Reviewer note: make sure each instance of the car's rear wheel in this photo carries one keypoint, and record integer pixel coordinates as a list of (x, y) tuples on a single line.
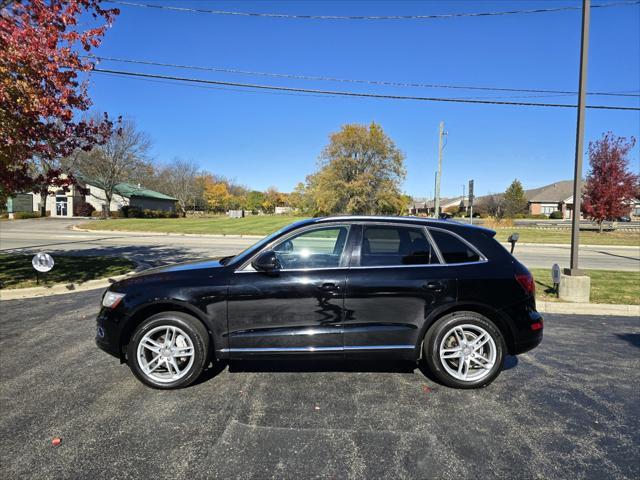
[(464, 350), (168, 350)]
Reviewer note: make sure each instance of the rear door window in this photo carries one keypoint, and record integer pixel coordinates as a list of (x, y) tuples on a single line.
[(453, 249), (384, 245)]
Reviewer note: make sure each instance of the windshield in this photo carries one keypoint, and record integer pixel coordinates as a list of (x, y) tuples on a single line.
[(242, 256)]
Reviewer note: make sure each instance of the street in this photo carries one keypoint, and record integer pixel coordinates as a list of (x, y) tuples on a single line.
[(54, 235), (568, 409)]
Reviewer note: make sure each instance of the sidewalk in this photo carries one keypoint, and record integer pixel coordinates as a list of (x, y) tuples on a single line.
[(588, 308)]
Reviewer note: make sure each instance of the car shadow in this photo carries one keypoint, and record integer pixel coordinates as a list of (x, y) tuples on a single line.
[(291, 364), (632, 338), (144, 256)]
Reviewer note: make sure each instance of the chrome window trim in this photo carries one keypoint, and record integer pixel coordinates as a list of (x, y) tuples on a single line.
[(314, 226), (316, 349)]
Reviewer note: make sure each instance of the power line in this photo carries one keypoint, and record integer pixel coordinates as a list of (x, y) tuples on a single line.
[(366, 17), (351, 94), (345, 80)]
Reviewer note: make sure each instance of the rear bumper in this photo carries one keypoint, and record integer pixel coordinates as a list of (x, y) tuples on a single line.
[(527, 326)]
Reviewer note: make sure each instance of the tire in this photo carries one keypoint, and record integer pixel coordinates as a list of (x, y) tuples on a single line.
[(164, 336), (453, 336)]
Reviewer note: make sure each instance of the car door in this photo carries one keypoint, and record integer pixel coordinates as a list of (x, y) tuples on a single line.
[(395, 280), (298, 307)]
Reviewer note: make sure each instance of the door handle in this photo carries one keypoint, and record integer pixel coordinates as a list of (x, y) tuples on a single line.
[(329, 287), (433, 286)]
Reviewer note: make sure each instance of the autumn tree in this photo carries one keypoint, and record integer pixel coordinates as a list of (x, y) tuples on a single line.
[(610, 184), (123, 157), (514, 200), (360, 173), (216, 194), (41, 44), (272, 198)]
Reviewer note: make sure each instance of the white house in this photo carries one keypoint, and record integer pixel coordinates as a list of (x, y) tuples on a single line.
[(71, 203)]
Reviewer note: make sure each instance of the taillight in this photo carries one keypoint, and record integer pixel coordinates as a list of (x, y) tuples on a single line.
[(537, 326), (526, 282)]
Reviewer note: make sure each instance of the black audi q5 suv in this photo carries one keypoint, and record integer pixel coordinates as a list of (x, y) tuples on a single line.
[(425, 290)]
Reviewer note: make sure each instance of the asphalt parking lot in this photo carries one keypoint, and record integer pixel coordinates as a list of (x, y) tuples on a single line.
[(569, 409)]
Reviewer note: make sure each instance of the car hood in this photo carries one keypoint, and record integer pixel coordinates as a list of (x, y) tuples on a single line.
[(179, 267), (164, 273)]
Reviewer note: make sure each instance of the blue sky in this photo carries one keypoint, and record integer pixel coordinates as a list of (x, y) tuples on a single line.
[(263, 139)]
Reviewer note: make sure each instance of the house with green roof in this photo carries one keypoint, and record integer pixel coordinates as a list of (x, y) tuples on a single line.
[(126, 194), (73, 202)]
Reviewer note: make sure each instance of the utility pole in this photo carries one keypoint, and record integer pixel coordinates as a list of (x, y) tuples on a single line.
[(439, 172), (577, 173), (435, 182)]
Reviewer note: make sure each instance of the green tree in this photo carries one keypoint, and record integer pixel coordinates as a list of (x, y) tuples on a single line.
[(254, 200), (514, 200), (360, 173)]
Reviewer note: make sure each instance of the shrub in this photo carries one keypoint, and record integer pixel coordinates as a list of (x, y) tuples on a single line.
[(492, 222), (23, 215), (557, 215), (129, 211), (85, 210)]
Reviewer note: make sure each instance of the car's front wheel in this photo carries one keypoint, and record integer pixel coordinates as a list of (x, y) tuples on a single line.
[(168, 350), (464, 350)]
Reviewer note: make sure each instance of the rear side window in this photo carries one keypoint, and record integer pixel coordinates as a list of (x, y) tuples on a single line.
[(453, 249), (390, 245)]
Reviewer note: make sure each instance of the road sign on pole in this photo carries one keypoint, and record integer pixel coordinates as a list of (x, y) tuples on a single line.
[(42, 262), (471, 202)]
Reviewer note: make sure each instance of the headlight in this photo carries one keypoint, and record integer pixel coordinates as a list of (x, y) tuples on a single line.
[(111, 299)]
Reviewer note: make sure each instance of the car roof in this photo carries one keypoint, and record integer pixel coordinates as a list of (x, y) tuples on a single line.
[(431, 222)]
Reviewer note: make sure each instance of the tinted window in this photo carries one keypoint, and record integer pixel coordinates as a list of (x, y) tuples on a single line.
[(390, 245), (453, 249), (317, 248)]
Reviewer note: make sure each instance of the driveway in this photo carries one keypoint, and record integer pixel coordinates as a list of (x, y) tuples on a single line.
[(54, 235), (569, 409)]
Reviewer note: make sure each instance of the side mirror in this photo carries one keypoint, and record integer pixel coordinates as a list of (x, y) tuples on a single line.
[(513, 238), (266, 262)]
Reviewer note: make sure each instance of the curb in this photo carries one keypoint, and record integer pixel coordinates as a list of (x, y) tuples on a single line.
[(59, 289), (588, 308), (568, 245)]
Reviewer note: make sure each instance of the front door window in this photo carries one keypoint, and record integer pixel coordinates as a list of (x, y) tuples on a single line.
[(61, 206), (317, 248)]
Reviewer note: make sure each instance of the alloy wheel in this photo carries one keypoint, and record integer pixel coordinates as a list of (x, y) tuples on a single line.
[(165, 353), (468, 352)]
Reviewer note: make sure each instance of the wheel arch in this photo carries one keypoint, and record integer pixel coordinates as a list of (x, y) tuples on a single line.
[(485, 310), (167, 305)]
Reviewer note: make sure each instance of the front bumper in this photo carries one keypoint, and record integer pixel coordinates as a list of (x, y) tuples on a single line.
[(108, 329)]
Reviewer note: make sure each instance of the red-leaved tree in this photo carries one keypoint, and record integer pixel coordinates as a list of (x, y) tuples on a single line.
[(610, 185), (41, 43)]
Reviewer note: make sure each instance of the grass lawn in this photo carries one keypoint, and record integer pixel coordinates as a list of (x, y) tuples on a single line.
[(222, 225), (532, 235), (16, 271), (607, 286), (265, 224)]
